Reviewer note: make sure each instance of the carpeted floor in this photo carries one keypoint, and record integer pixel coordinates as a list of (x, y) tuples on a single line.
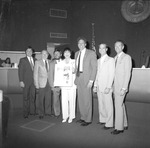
[(52, 133)]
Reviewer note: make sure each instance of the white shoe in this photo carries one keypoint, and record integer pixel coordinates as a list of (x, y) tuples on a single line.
[(70, 120), (64, 120)]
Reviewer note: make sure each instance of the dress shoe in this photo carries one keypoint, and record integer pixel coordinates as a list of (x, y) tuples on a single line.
[(70, 120), (33, 114), (64, 120), (57, 116), (41, 117), (101, 123), (25, 116), (116, 132), (52, 115), (85, 123), (48, 115), (126, 128), (80, 121), (106, 128)]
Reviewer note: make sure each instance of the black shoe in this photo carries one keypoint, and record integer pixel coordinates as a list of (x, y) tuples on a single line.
[(116, 132), (126, 128), (57, 116), (41, 117), (33, 114), (25, 116), (85, 123), (100, 123), (52, 115), (80, 121), (106, 128)]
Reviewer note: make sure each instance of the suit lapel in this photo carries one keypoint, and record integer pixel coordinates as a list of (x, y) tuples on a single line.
[(85, 55), (104, 62), (29, 65), (121, 57)]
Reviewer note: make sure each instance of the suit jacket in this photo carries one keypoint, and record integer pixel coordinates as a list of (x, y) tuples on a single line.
[(41, 75), (25, 71), (105, 73), (89, 66), (52, 72), (122, 72)]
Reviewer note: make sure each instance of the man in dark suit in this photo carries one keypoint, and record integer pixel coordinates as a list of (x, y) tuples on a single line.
[(86, 68), (25, 73)]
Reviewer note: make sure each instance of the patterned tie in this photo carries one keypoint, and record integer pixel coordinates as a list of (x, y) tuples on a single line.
[(78, 69)]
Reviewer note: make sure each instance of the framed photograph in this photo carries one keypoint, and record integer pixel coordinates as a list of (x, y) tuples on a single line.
[(63, 74)]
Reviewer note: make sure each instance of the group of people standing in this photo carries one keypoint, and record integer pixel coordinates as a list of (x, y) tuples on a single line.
[(112, 82), (107, 76)]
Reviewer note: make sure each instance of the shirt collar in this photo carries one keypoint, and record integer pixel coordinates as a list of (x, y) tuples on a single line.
[(104, 56), (120, 54), (83, 50)]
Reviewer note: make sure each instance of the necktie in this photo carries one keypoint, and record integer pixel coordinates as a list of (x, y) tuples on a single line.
[(46, 65), (78, 68), (116, 61), (31, 63)]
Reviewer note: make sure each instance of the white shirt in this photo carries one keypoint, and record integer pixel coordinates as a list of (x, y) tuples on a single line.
[(118, 56), (30, 60), (81, 59), (102, 59), (46, 61)]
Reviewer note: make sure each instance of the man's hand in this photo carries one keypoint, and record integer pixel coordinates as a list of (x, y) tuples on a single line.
[(107, 90), (22, 84), (94, 89), (122, 92), (90, 84)]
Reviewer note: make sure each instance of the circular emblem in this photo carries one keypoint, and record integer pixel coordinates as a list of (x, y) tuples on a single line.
[(135, 10)]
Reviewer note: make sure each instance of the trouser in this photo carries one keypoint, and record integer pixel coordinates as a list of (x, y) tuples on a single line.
[(105, 106), (45, 100), (56, 93), (84, 99), (29, 97), (120, 112), (68, 102)]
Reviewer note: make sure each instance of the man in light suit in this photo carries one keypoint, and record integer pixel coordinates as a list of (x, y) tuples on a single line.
[(56, 92), (121, 82), (103, 87), (86, 67), (41, 81), (25, 73)]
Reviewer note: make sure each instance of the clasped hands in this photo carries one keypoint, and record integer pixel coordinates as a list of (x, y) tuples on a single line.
[(106, 91)]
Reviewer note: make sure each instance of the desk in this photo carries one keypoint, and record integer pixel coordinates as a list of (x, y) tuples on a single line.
[(9, 81), (139, 89)]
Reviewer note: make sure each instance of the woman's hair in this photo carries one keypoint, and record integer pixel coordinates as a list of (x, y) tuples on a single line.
[(67, 49), (8, 61)]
